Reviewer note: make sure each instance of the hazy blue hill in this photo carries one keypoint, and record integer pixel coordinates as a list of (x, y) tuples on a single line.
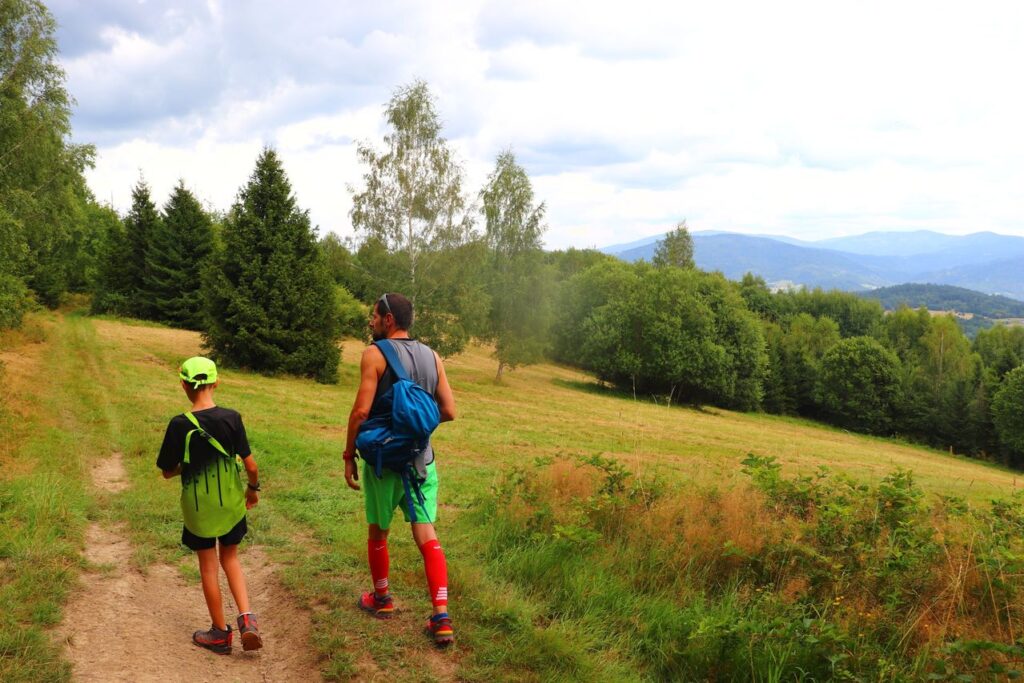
[(947, 298), (1004, 277), (891, 243), (734, 255), (982, 261)]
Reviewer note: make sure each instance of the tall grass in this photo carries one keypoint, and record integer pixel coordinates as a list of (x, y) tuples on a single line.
[(804, 578)]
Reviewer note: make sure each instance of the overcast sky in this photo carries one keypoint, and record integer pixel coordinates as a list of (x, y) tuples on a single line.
[(812, 119)]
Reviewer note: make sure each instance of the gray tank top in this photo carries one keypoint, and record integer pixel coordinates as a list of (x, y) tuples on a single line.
[(419, 362)]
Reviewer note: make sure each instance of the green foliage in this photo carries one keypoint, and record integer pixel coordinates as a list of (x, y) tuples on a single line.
[(269, 296), (352, 313), (14, 301), (113, 285), (671, 331), (518, 282), (42, 190), (854, 315), (412, 212), (142, 225), (676, 250), (860, 385), (1008, 410), (1001, 349), (178, 249)]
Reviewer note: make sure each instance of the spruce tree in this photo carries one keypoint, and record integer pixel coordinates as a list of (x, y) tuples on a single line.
[(141, 224), (178, 250), (269, 294), (113, 284)]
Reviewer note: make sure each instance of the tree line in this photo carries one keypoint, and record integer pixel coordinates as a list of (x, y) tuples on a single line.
[(270, 295)]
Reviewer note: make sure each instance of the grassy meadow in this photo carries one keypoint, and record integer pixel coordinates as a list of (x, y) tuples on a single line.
[(590, 535)]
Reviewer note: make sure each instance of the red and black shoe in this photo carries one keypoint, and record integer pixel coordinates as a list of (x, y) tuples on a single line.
[(380, 606), (439, 627), (214, 640), (249, 632)]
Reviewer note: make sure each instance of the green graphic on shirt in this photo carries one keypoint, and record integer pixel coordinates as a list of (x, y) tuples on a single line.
[(212, 496)]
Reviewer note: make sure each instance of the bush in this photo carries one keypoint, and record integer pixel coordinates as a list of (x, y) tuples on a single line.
[(352, 313), (14, 301)]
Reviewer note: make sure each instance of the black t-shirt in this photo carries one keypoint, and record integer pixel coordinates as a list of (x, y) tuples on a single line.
[(223, 424)]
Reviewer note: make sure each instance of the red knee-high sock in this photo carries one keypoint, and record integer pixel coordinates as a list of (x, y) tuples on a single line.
[(437, 572), (377, 551)]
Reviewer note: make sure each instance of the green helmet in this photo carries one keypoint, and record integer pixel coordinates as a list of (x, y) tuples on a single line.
[(198, 371)]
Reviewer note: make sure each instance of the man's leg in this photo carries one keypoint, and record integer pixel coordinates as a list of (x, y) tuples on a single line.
[(377, 554), (439, 626), (434, 564)]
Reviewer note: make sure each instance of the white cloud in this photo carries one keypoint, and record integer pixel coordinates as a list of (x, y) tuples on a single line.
[(804, 118)]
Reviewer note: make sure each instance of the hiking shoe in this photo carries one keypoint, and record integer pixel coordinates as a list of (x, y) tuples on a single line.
[(382, 607), (214, 640), (439, 627), (249, 631)]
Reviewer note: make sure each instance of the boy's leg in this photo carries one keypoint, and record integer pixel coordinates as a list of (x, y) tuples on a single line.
[(248, 629), (236, 579), (208, 568)]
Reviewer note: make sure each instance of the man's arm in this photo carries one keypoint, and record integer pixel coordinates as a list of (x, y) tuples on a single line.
[(443, 395), (371, 367)]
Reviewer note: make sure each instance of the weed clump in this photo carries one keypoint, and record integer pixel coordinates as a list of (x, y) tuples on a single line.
[(807, 577)]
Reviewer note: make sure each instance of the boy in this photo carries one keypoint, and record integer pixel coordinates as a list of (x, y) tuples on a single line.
[(203, 446)]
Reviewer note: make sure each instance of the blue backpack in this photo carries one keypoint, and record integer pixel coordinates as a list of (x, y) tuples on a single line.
[(392, 441)]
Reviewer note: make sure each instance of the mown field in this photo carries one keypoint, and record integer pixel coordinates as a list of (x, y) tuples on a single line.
[(590, 535)]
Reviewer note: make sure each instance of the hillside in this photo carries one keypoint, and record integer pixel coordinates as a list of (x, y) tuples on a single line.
[(947, 298), (533, 472)]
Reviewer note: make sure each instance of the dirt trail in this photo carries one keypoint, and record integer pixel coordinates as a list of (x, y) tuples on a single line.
[(126, 625)]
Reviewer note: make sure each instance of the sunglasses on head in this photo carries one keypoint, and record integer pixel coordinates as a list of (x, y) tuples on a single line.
[(384, 300)]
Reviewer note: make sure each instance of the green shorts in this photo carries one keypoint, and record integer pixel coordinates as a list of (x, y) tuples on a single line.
[(384, 495)]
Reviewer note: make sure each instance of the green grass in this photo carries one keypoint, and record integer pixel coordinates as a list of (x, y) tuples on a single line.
[(560, 611)]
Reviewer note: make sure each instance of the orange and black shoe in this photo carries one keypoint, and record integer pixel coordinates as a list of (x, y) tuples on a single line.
[(214, 640), (380, 606), (439, 627), (249, 632)]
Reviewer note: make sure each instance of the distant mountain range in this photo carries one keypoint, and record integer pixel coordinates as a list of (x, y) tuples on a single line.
[(983, 261)]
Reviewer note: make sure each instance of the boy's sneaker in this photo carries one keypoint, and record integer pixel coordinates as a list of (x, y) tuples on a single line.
[(214, 640), (439, 627), (249, 632), (382, 607)]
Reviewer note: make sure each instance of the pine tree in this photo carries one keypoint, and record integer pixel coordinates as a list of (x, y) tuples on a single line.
[(177, 253), (268, 293), (141, 223), (112, 286)]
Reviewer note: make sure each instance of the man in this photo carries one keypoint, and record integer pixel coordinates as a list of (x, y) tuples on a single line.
[(391, 319)]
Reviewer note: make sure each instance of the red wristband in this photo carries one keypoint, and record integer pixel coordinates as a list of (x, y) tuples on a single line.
[(346, 456)]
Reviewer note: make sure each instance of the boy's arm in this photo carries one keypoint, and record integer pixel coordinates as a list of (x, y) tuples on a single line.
[(253, 474), (169, 474)]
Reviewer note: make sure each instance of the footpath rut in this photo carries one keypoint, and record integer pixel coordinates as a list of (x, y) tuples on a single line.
[(129, 625)]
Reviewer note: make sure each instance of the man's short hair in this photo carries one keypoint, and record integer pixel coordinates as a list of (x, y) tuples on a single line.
[(400, 307)]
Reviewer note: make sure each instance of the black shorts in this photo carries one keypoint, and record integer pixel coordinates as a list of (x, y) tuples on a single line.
[(233, 537)]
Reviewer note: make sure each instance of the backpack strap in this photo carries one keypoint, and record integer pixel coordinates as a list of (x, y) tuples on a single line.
[(388, 350), (202, 432)]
